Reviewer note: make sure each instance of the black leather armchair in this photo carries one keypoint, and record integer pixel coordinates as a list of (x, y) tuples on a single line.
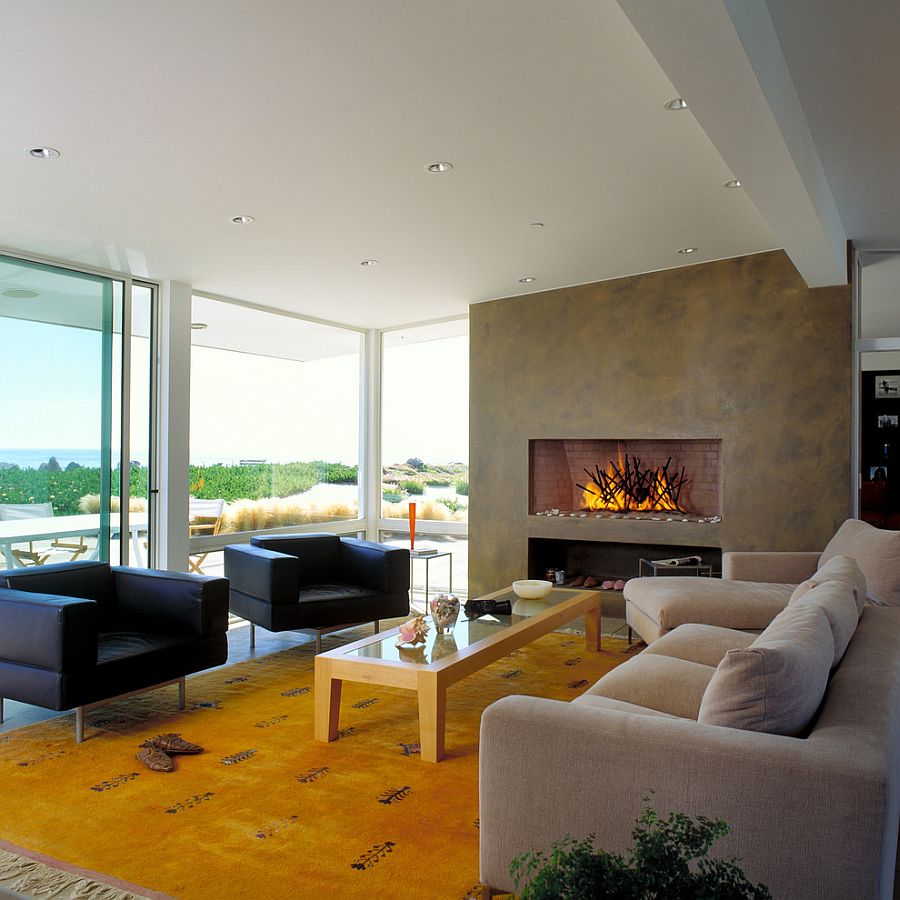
[(319, 582), (80, 633)]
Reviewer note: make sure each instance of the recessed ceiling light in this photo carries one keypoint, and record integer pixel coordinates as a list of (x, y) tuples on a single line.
[(369, 262), (676, 104), (535, 224), (734, 183), (198, 326), (688, 250), (43, 152), (439, 167), (243, 220), (527, 279), (20, 294)]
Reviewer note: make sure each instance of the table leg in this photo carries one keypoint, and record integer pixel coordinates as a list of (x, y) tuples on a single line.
[(592, 620), (432, 716), (328, 704)]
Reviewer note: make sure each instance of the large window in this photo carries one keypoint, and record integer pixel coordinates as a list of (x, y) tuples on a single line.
[(425, 446), (274, 421), (61, 366)]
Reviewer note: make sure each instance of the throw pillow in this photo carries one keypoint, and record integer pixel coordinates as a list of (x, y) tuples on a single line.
[(777, 683), (877, 553), (837, 601), (839, 568)]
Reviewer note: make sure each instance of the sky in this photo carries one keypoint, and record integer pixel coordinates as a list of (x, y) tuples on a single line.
[(242, 406)]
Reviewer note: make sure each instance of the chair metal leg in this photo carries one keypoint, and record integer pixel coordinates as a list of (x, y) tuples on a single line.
[(1, 710), (252, 636), (181, 692), (79, 724), (377, 626), (629, 635), (318, 642)]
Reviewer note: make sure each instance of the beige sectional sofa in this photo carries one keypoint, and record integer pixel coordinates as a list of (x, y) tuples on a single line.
[(755, 587), (792, 736)]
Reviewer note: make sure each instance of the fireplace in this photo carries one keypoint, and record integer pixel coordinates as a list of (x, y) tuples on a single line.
[(664, 479)]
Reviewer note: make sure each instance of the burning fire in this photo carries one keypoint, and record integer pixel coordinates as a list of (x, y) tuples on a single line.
[(632, 487)]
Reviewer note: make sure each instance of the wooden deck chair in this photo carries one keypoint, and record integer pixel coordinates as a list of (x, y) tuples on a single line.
[(39, 552), (205, 518)]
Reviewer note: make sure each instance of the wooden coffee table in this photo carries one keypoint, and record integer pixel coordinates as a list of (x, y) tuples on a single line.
[(445, 659)]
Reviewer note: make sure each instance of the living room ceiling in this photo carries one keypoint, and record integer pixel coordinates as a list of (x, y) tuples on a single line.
[(319, 120)]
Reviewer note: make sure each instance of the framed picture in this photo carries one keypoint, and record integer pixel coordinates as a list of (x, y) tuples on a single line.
[(888, 421), (887, 386), (878, 473)]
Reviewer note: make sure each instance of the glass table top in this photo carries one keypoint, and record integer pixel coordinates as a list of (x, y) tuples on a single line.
[(463, 634)]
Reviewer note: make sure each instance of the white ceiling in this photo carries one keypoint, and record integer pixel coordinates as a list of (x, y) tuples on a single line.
[(318, 118)]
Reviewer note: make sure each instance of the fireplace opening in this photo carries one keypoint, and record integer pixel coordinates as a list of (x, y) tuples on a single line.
[(665, 479)]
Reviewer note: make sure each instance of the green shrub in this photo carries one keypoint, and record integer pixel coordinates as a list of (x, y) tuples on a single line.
[(452, 504), (668, 861), (412, 487), (462, 487), (391, 497)]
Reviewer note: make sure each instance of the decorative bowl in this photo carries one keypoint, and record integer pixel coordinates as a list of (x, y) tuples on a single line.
[(532, 588)]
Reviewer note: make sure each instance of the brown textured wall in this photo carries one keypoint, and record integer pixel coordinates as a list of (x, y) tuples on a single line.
[(738, 349)]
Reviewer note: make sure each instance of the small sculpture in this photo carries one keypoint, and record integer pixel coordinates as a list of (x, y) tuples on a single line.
[(413, 631)]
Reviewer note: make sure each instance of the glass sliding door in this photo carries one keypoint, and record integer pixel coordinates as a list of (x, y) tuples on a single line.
[(56, 368)]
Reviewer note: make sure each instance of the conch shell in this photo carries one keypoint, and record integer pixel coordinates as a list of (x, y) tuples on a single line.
[(413, 631)]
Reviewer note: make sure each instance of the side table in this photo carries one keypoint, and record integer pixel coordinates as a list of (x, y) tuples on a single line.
[(428, 557)]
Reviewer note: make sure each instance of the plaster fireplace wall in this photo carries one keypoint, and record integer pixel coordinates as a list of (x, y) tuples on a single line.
[(739, 351)]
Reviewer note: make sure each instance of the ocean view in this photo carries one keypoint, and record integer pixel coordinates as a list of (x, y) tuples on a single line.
[(32, 457)]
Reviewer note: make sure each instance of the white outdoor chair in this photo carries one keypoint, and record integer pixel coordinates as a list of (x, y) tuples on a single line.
[(39, 552), (205, 518)]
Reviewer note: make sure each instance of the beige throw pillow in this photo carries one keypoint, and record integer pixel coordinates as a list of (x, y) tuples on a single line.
[(837, 600), (876, 551), (839, 568), (777, 683)]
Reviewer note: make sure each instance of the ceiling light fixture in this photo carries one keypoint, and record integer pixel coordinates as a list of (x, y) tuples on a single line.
[(527, 279), (243, 220), (688, 250), (199, 326), (734, 183), (20, 294), (439, 168), (43, 152), (676, 104), (369, 262)]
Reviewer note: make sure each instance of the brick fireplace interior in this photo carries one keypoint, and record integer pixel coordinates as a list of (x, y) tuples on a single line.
[(566, 474)]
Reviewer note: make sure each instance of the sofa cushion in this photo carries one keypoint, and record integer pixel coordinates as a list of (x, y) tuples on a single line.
[(839, 568), (670, 685), (876, 551), (597, 702), (837, 600), (705, 644), (673, 601), (777, 683)]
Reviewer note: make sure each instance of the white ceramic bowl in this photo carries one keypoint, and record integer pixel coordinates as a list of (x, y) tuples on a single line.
[(531, 588)]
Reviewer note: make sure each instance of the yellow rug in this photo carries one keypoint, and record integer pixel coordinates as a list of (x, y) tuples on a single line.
[(267, 811)]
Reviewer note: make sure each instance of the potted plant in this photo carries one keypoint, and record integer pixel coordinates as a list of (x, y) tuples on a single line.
[(668, 862)]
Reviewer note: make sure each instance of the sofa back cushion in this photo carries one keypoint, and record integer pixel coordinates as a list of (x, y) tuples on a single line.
[(839, 568), (837, 601), (877, 553), (777, 683)]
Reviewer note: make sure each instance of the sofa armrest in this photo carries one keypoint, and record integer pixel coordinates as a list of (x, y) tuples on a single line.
[(376, 566), (548, 768), (778, 568), (172, 601), (265, 574), (48, 631)]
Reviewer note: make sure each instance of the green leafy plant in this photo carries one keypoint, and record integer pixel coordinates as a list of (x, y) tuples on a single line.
[(462, 487), (668, 862), (452, 504), (412, 487)]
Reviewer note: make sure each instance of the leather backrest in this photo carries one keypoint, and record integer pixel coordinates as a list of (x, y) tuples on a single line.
[(86, 580), (319, 554)]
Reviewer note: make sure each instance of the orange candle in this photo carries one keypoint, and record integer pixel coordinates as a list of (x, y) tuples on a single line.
[(412, 526)]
